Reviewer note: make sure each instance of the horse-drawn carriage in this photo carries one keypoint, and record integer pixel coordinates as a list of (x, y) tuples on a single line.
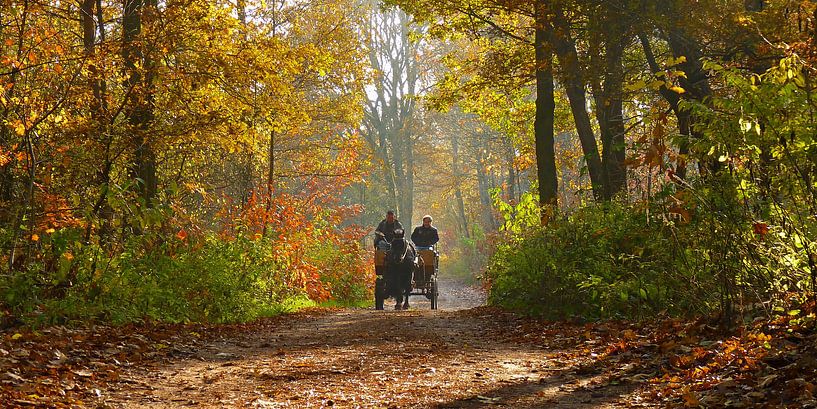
[(423, 280)]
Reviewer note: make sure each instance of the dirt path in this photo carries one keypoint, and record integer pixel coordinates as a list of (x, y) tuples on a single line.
[(449, 358), (461, 356)]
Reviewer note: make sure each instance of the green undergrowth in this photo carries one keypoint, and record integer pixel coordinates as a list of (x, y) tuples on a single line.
[(624, 261), (298, 303), (735, 235), (151, 278)]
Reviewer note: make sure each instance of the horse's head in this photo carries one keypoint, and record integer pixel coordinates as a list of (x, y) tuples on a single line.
[(398, 250)]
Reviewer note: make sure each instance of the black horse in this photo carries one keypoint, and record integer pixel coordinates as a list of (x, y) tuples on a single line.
[(400, 267)]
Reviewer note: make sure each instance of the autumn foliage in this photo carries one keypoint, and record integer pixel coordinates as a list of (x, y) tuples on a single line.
[(177, 161)]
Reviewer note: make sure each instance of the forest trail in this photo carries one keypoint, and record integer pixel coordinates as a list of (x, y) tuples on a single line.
[(463, 355), (455, 357)]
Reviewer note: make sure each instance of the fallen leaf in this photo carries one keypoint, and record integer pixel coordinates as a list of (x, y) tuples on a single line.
[(629, 335), (83, 373), (14, 377), (691, 400), (767, 380)]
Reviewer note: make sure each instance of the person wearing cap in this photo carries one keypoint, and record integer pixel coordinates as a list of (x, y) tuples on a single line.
[(425, 235), (386, 228)]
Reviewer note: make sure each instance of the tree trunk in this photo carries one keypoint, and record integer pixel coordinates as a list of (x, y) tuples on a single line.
[(89, 11), (511, 181), (571, 73), (9, 189), (610, 116), (455, 167), (407, 190), (140, 111), (543, 125), (398, 150), (696, 81), (484, 195), (270, 179), (389, 115)]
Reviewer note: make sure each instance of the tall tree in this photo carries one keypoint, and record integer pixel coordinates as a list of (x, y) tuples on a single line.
[(545, 108), (573, 77), (609, 37), (140, 71), (390, 111)]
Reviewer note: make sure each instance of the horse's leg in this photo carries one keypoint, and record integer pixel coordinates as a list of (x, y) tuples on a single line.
[(406, 303), (398, 299), (406, 287)]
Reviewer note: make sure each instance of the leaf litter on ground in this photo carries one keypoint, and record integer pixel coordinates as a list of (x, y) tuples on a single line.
[(663, 362)]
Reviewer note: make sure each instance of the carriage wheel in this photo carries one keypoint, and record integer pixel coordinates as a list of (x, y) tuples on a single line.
[(379, 295), (434, 293)]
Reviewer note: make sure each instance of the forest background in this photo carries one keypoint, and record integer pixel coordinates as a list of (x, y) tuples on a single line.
[(218, 161)]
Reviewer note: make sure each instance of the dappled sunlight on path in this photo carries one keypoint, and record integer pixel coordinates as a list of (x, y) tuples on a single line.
[(449, 358)]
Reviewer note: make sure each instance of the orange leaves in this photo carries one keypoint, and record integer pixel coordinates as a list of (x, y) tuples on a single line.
[(629, 335), (760, 228), (681, 207), (181, 235), (652, 146), (322, 261), (691, 400)]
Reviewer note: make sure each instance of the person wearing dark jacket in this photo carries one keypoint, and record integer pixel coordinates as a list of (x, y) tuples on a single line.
[(425, 235), (385, 230)]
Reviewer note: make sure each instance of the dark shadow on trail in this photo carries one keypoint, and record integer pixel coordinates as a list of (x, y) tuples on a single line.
[(442, 359), (545, 393)]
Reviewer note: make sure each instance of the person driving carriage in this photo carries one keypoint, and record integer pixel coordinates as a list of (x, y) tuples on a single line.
[(401, 267), (425, 235), (385, 230)]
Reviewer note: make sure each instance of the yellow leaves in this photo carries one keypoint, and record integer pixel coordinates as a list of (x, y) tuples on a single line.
[(744, 20), (677, 89), (19, 127), (16, 336), (760, 337), (636, 86), (747, 125)]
